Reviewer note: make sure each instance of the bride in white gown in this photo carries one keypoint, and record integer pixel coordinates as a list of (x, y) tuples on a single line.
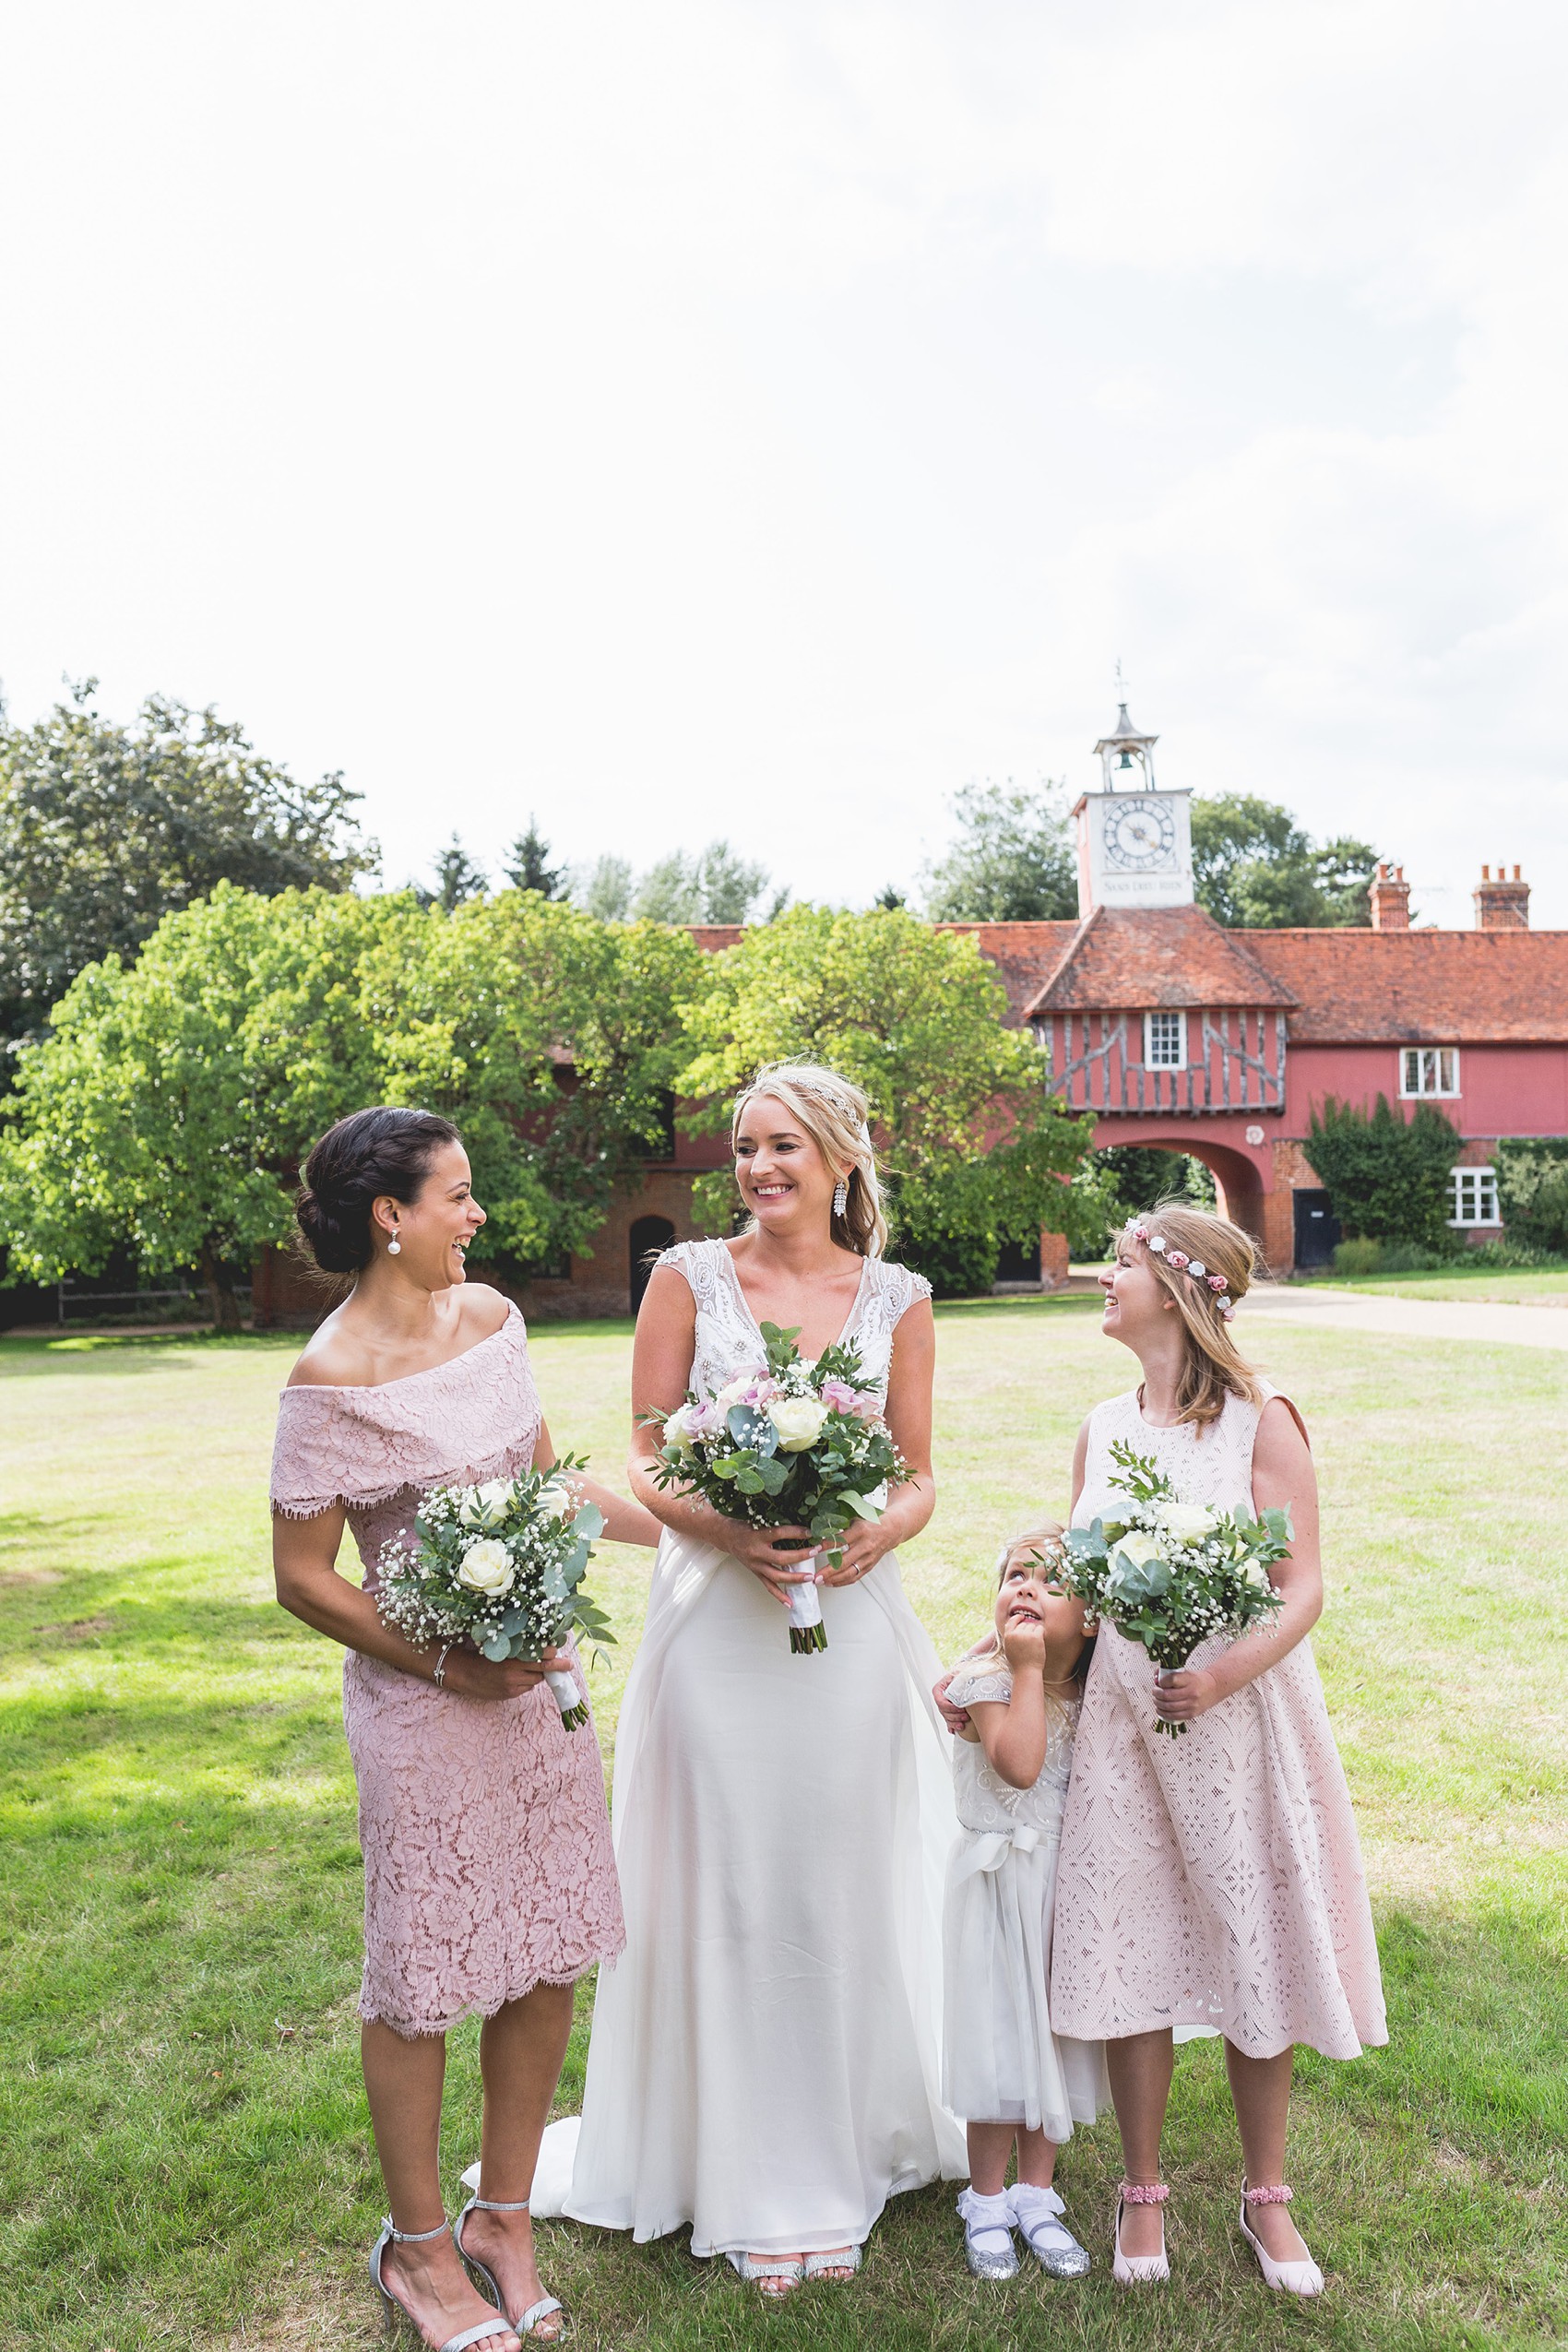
[(765, 2056)]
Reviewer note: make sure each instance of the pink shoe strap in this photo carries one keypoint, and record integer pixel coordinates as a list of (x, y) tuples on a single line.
[(1280, 2194), (1144, 2192)]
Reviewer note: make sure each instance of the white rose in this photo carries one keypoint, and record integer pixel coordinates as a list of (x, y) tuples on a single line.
[(1188, 1522), (1258, 1575), (487, 1568), (735, 1392), (798, 1420), (486, 1506), (678, 1430), (1138, 1547), (556, 1502)]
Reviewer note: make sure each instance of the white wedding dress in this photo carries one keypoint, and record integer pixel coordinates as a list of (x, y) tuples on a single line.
[(765, 2063)]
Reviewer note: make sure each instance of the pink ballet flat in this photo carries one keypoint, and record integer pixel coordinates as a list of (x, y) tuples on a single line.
[(1140, 2270), (1288, 2278)]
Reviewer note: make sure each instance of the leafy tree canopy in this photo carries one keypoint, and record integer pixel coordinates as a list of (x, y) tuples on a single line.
[(1013, 859), (711, 885), (977, 1144), (1254, 868), (104, 829), (173, 1102), (1532, 1189), (457, 879), (1387, 1178)]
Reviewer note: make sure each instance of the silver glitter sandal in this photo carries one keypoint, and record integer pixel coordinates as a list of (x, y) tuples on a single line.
[(756, 2274), (1037, 2213), (988, 2235), (842, 2258)]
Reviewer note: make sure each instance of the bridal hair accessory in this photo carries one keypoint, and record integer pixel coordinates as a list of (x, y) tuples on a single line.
[(1179, 1263)]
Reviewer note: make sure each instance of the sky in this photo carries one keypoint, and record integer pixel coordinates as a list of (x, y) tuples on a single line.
[(761, 418)]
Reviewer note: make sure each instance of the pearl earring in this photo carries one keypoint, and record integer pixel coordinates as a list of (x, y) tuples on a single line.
[(841, 1198), (393, 1246)]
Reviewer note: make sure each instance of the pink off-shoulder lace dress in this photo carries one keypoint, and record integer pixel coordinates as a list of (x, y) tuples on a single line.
[(488, 1866)]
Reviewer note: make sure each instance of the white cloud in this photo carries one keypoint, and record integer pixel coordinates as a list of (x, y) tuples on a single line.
[(761, 418)]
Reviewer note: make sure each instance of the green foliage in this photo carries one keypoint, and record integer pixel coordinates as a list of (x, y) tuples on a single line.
[(604, 889), (106, 829), (916, 1016), (457, 879), (1012, 860), (1532, 1190), (528, 865), (711, 885), (1255, 868), (1122, 1182), (174, 1101), (1387, 1178), (1361, 1257)]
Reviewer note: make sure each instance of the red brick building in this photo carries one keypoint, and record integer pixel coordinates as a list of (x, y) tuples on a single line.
[(1183, 1035)]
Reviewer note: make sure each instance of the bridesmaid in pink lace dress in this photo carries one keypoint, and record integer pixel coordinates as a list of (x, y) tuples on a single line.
[(489, 1880), (1214, 1881)]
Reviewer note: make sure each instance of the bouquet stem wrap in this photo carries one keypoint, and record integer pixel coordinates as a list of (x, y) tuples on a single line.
[(807, 1630)]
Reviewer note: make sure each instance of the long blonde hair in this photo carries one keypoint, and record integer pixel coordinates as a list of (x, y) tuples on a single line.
[(837, 1116), (1214, 1366)]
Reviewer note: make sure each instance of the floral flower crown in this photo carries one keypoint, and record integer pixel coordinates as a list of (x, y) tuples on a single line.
[(1194, 1268)]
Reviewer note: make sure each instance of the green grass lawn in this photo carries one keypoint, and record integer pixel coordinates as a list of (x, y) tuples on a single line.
[(1537, 1285), (184, 2156)]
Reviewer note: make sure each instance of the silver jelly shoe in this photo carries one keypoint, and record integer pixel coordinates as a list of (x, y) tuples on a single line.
[(988, 2235), (1037, 2213)]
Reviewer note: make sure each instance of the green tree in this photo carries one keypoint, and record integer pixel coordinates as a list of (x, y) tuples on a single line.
[(716, 885), (978, 1148), (170, 1104), (1532, 1190), (457, 879), (1012, 860), (528, 865), (105, 829), (604, 889), (1254, 868), (1388, 1179)]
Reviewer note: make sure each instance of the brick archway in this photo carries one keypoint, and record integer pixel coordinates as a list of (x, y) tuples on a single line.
[(1236, 1177)]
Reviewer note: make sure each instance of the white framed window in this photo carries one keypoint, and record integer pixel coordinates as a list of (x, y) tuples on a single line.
[(1475, 1197), (1165, 1041), (1429, 1069)]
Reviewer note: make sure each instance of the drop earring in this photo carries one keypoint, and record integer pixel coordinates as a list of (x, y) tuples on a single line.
[(841, 1198), (393, 1246)]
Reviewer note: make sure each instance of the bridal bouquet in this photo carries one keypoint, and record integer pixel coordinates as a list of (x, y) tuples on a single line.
[(1170, 1573), (499, 1566), (801, 1444)]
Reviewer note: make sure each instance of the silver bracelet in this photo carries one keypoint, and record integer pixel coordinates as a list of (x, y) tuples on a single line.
[(439, 1677)]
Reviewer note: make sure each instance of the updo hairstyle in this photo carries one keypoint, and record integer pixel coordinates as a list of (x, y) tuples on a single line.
[(1215, 1366), (364, 1157), (837, 1116)]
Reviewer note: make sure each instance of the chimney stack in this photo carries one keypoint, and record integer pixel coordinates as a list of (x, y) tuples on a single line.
[(1501, 904), (1390, 900)]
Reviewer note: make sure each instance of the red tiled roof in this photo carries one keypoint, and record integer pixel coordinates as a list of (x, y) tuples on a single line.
[(1023, 953), (1415, 987), (1134, 959)]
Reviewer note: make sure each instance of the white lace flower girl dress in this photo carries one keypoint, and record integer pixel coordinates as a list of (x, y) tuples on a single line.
[(764, 2061), (1001, 2061)]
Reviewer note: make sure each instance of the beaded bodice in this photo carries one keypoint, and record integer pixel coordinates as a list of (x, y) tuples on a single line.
[(985, 1801)]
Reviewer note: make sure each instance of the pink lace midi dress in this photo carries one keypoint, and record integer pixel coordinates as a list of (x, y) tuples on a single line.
[(488, 1866), (1211, 1882)]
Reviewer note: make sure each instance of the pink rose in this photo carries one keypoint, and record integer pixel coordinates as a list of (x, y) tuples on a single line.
[(839, 1395), (1218, 1282), (1178, 1258)]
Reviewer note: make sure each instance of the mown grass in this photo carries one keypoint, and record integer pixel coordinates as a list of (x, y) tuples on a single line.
[(1540, 1286), (183, 2151)]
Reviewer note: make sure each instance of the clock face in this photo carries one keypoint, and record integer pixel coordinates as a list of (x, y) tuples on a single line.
[(1139, 834)]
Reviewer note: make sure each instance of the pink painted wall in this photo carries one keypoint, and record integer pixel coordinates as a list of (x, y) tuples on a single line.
[(1503, 1089)]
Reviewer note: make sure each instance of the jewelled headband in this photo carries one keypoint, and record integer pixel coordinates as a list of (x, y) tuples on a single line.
[(1194, 1268), (815, 1087)]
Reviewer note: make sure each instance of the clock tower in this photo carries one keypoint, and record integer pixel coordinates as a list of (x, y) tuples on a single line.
[(1134, 843)]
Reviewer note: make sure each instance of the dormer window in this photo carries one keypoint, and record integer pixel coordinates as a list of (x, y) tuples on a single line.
[(1165, 1041), (1428, 1070)]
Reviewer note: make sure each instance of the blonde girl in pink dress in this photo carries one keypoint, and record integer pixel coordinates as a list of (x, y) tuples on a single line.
[(489, 1881), (1213, 1882)]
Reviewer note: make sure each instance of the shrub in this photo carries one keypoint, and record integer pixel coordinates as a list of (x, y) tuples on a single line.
[(1408, 1258), (1362, 1256), (957, 1264), (1532, 1190), (1388, 1179)]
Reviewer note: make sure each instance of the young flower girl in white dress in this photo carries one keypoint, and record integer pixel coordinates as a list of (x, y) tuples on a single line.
[(1004, 2069)]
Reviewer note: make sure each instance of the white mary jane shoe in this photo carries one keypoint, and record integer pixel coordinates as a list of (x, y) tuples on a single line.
[(988, 2234), (1037, 2213), (1286, 2278)]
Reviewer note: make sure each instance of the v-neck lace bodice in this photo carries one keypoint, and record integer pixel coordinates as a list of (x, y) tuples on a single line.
[(728, 1340)]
